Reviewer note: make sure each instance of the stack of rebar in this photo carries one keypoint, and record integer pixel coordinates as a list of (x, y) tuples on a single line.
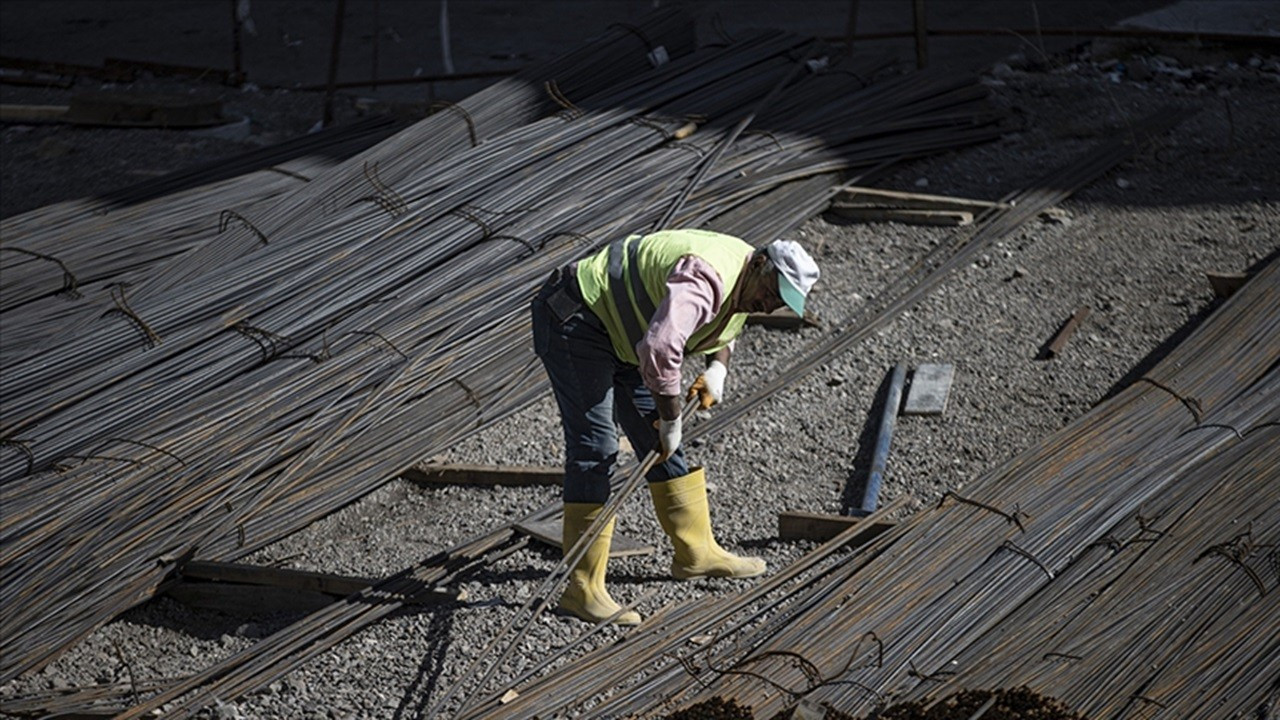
[(321, 344)]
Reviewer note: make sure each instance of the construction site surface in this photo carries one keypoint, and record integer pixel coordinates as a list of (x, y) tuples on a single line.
[(274, 442)]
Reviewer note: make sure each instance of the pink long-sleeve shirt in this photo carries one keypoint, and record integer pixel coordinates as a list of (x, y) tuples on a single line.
[(695, 294)]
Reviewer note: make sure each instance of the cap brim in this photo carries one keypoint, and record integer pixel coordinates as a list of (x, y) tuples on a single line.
[(790, 295)]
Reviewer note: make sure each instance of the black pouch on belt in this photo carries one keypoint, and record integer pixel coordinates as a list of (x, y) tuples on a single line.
[(562, 304)]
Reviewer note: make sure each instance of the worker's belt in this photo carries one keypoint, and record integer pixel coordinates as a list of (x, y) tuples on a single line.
[(631, 314)]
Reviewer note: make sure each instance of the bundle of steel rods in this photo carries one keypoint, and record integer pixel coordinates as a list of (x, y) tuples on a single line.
[(302, 358)]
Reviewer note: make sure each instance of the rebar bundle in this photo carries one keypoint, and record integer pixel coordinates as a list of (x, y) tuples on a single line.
[(319, 345)]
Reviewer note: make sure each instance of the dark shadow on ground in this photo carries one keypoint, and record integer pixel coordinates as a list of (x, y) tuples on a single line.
[(1153, 358)]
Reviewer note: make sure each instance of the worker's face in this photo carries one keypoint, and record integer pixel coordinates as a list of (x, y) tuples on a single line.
[(760, 287)]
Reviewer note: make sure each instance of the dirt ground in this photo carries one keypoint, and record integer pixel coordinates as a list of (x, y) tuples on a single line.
[(1133, 246)]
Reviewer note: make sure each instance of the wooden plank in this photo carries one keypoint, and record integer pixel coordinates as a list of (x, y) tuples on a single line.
[(783, 319), (550, 532), (486, 475), (16, 113), (248, 600), (240, 589), (339, 585), (945, 218), (930, 388), (859, 197), (1065, 332), (798, 525), (1224, 284)]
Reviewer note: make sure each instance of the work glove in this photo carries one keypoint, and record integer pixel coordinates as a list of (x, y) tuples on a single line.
[(709, 387), (669, 433)]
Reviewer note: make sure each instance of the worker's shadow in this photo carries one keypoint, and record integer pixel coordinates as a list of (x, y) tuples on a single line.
[(427, 679), (856, 485)]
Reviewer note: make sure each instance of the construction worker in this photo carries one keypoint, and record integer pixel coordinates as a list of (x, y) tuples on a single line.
[(612, 331)]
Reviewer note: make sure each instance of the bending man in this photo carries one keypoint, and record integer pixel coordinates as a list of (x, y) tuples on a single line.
[(612, 331)]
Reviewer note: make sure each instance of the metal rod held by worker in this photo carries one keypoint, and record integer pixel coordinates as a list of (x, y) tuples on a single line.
[(871, 494)]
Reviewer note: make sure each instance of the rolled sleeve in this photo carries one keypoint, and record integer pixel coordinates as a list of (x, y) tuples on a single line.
[(695, 293)]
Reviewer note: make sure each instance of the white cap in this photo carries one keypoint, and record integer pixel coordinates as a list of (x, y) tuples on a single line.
[(797, 272)]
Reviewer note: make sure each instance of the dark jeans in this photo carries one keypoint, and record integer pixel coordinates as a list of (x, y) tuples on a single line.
[(596, 393)]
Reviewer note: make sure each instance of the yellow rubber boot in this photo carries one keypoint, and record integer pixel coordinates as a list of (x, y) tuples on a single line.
[(681, 504), (586, 595)]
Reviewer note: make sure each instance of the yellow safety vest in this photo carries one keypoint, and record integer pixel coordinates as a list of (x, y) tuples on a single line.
[(624, 283)]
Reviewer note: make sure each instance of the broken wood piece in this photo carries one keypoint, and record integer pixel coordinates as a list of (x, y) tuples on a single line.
[(340, 585), (946, 218), (855, 197), (1224, 284), (930, 387), (240, 589), (486, 475), (1064, 333), (551, 531), (248, 600), (15, 113), (797, 525), (783, 319)]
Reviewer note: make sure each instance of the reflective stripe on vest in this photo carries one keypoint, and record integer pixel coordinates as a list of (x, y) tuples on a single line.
[(643, 309)]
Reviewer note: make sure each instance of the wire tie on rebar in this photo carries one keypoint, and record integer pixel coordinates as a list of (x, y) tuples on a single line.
[(1068, 656), (1144, 527), (69, 282), (1153, 701), (572, 112), (149, 446), (268, 342), (520, 240), (939, 676), (393, 198), (687, 146), (383, 339), (648, 46), (325, 352), (23, 447), (734, 670), (1013, 519), (466, 212), (1259, 426), (87, 458), (225, 217), (1192, 404), (471, 124), (471, 394), (1110, 542), (381, 202), (649, 123), (765, 133), (122, 307), (1236, 551), (693, 670), (1026, 554), (370, 172), (1220, 426)]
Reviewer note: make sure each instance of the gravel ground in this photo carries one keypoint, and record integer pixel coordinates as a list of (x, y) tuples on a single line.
[(1132, 246)]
